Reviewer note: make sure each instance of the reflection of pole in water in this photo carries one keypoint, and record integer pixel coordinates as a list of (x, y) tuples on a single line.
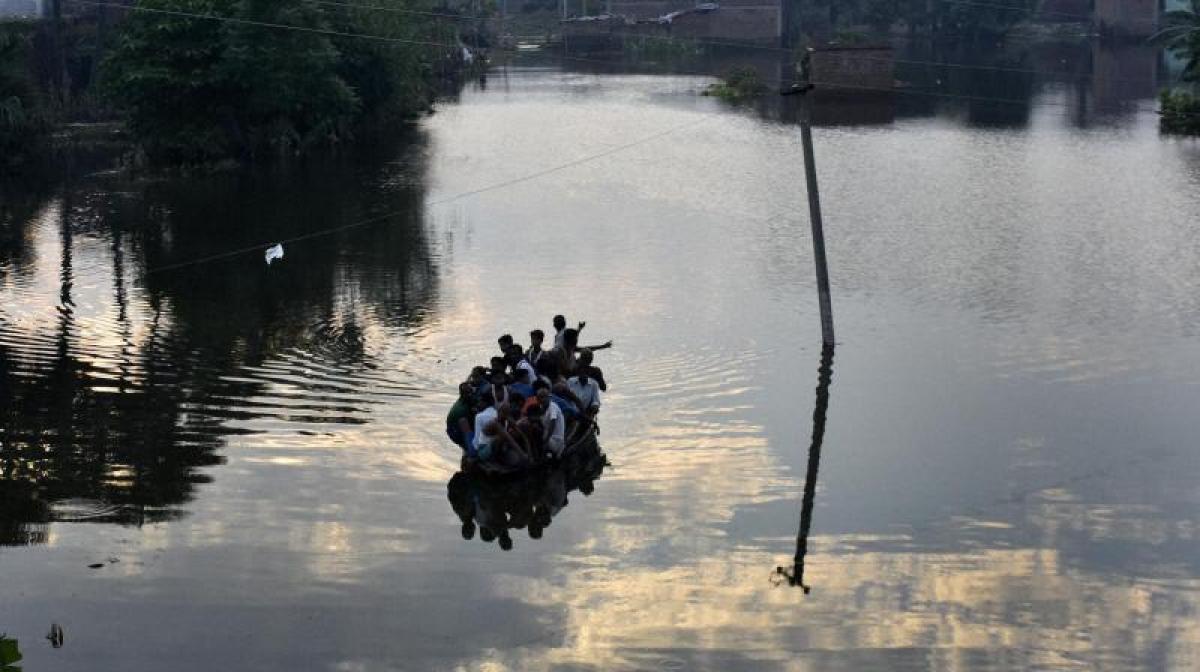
[(824, 377)]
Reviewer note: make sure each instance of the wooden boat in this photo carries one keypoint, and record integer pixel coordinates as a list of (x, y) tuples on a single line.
[(581, 437)]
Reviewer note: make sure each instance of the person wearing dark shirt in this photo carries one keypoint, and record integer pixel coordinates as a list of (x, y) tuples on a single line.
[(585, 365), (458, 420), (535, 351), (505, 343)]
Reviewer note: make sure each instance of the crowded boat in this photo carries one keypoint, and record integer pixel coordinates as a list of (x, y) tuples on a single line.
[(529, 406)]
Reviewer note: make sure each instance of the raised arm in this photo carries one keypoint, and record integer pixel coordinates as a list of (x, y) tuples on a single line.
[(603, 346)]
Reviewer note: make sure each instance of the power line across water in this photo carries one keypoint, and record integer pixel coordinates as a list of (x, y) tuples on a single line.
[(778, 84)]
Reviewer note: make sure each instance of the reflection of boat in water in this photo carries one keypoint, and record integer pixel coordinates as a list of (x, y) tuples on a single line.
[(528, 500)]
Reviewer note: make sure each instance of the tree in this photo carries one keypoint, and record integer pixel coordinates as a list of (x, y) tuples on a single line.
[(254, 78), (1181, 34), (21, 119)]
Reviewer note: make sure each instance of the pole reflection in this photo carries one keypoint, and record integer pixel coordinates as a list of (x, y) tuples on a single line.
[(794, 576)]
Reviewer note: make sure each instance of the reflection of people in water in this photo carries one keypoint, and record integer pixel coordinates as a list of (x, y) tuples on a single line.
[(496, 507)]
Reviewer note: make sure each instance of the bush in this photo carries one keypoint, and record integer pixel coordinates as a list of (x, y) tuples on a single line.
[(737, 84), (1180, 112)]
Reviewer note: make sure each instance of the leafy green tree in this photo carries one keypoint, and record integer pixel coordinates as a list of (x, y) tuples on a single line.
[(263, 77), (1181, 34), (291, 95), (393, 79), (167, 74)]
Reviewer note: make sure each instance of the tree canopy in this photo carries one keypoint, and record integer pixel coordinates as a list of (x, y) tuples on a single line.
[(261, 77)]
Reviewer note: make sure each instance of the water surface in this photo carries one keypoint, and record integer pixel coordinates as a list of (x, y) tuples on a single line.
[(255, 458)]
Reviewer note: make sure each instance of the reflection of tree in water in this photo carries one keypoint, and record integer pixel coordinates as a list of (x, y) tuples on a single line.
[(968, 79), (84, 437), (528, 502), (243, 307)]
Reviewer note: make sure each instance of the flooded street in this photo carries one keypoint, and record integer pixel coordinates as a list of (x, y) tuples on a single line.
[(255, 456)]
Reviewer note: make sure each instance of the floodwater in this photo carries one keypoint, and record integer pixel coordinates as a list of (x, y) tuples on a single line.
[(230, 465)]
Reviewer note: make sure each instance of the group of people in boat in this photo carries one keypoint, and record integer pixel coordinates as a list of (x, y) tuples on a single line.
[(527, 405)]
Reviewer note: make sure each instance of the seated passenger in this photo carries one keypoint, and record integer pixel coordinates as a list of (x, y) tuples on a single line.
[(587, 391), (499, 365), (570, 404), (516, 406), (554, 425), (498, 388), (522, 370), (458, 421), (478, 378), (593, 372), (532, 424), (535, 351), (547, 370), (561, 395), (486, 415), (493, 441)]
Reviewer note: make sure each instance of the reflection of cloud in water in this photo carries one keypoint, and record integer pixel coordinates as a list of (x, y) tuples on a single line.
[(877, 609)]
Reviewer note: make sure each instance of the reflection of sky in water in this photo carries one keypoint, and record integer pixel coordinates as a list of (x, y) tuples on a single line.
[(1008, 471)]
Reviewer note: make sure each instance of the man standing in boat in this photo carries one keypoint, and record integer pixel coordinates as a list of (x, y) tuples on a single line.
[(560, 329)]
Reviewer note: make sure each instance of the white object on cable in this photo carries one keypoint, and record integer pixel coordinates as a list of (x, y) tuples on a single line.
[(274, 252), (467, 56)]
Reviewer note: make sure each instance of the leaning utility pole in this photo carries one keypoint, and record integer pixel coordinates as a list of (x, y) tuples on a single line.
[(802, 88)]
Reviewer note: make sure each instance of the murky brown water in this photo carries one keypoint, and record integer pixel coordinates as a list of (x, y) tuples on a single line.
[(255, 455)]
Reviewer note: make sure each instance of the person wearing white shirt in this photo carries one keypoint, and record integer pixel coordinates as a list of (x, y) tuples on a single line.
[(587, 391), (555, 432), (483, 442), (524, 372), (554, 424)]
